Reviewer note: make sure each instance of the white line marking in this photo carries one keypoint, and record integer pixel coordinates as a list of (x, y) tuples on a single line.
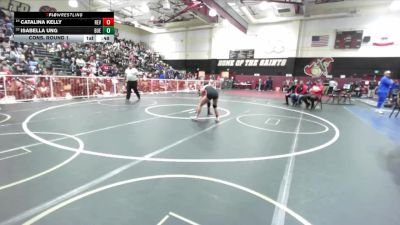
[(23, 110), (238, 119), (266, 122), (64, 117), (10, 150), (284, 189), (186, 160), (30, 145), (147, 110), (169, 176), (12, 156), (7, 117), (163, 220), (80, 148), (36, 121), (79, 134), (98, 180), (183, 218), (272, 119), (26, 149), (100, 102), (15, 149), (188, 110)]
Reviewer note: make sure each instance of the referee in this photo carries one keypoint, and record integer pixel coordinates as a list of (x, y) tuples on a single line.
[(131, 74)]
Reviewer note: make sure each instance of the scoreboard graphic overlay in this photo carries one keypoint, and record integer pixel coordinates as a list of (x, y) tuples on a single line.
[(64, 26)]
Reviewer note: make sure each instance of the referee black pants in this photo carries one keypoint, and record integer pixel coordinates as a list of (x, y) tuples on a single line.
[(129, 86)]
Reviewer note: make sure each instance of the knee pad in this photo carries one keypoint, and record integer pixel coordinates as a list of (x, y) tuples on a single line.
[(214, 106)]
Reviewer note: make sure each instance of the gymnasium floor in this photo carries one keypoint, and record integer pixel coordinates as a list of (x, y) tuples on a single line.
[(104, 161)]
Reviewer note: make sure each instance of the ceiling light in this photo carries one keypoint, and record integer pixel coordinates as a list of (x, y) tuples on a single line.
[(104, 2), (73, 3), (166, 4), (102, 10), (145, 8), (212, 12), (126, 11), (152, 18), (395, 5), (226, 22), (264, 5), (231, 4)]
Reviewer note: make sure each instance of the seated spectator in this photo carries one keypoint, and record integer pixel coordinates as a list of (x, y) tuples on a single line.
[(357, 89), (2, 53), (394, 90), (299, 92), (48, 65), (9, 27), (4, 69), (290, 91), (97, 92), (37, 70), (162, 76), (80, 62), (315, 93), (104, 69), (14, 55), (43, 91), (114, 70), (32, 65), (332, 86), (371, 89), (86, 70)]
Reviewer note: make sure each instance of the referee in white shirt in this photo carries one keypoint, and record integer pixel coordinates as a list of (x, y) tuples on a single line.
[(131, 74)]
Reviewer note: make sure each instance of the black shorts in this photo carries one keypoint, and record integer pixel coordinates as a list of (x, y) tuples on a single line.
[(212, 96), (212, 93)]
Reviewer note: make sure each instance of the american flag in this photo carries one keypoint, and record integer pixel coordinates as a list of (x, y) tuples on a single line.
[(319, 41)]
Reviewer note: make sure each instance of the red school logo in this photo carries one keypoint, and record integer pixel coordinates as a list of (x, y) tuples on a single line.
[(319, 67)]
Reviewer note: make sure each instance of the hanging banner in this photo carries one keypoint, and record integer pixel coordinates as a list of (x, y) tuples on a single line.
[(252, 62)]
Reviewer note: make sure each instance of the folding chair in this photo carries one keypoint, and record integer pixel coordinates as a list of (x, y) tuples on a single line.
[(346, 95), (396, 106), (317, 102), (334, 95)]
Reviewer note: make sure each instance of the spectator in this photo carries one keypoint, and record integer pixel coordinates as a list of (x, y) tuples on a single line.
[(48, 65), (259, 85), (9, 27), (332, 86), (162, 76), (394, 90), (268, 84), (114, 70), (371, 89), (383, 90), (290, 91), (315, 93), (131, 81), (299, 92), (14, 55), (104, 69)]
